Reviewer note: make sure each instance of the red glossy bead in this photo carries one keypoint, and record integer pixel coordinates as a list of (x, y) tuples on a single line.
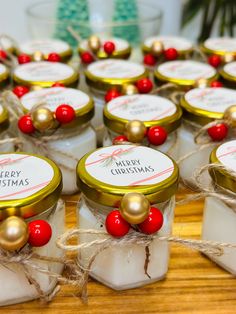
[(40, 233), (157, 135), (20, 91), (24, 58), (116, 225), (153, 222), (86, 57), (65, 113), (120, 138), (57, 84), (218, 132), (216, 84), (54, 57), (171, 54), (25, 124), (109, 47), (3, 54), (111, 94), (144, 85), (214, 60), (149, 60)]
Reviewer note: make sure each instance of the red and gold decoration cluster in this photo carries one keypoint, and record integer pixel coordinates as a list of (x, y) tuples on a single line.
[(38, 56), (216, 61)]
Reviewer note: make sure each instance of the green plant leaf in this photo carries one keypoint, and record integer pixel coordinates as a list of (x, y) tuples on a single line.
[(191, 9)]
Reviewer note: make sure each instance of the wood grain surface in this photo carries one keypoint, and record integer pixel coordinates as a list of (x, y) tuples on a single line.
[(194, 284)]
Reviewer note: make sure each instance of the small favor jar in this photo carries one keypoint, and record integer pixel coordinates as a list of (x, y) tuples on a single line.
[(228, 73), (45, 74), (70, 139), (4, 76), (106, 177), (4, 126), (158, 114), (31, 219), (219, 217), (107, 74), (200, 107), (186, 74)]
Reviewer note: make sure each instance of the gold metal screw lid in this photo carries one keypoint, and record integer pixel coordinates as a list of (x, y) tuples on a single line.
[(219, 46), (29, 184), (4, 74), (203, 105), (44, 74), (184, 73), (56, 96), (224, 154), (228, 72), (151, 109), (4, 119), (122, 50), (106, 174), (104, 74)]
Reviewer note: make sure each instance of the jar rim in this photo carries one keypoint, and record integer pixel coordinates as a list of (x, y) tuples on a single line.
[(226, 75), (220, 52), (5, 73), (4, 119)]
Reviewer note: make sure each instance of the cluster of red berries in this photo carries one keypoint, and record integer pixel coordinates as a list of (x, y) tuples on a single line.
[(169, 54), (87, 57), (21, 90), (52, 57), (40, 233)]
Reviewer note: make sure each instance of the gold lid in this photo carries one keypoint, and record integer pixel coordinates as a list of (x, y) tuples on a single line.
[(44, 74), (4, 119), (105, 74), (184, 73), (224, 154), (41, 189), (152, 110), (4, 73), (55, 96), (214, 46), (226, 72), (106, 174)]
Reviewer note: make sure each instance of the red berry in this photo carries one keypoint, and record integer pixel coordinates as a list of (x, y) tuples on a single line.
[(218, 132), (3, 54), (153, 223), (120, 138), (24, 58), (20, 91), (40, 233), (149, 60), (111, 94), (109, 47), (57, 84), (157, 135), (25, 124), (214, 60), (144, 85), (86, 57), (54, 57), (116, 225), (216, 84), (171, 54), (65, 113)]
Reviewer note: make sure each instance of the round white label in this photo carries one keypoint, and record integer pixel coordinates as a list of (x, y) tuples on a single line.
[(226, 154), (44, 71), (186, 70), (211, 99), (226, 44), (230, 68), (3, 69), (55, 96), (120, 44), (46, 46), (116, 69), (170, 42), (127, 165), (18, 178), (141, 107)]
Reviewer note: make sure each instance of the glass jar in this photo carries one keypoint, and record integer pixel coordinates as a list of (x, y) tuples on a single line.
[(183, 46), (228, 73), (219, 217), (152, 110), (31, 195), (4, 76), (184, 73), (104, 75), (45, 74), (104, 177), (221, 46), (79, 137), (4, 126), (200, 106), (122, 48), (46, 46)]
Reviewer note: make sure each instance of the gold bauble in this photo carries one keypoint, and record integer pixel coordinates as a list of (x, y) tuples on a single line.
[(94, 43), (201, 83), (135, 131), (134, 208), (43, 119), (36, 87), (129, 89), (228, 57), (13, 233), (38, 56), (157, 48), (230, 115)]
